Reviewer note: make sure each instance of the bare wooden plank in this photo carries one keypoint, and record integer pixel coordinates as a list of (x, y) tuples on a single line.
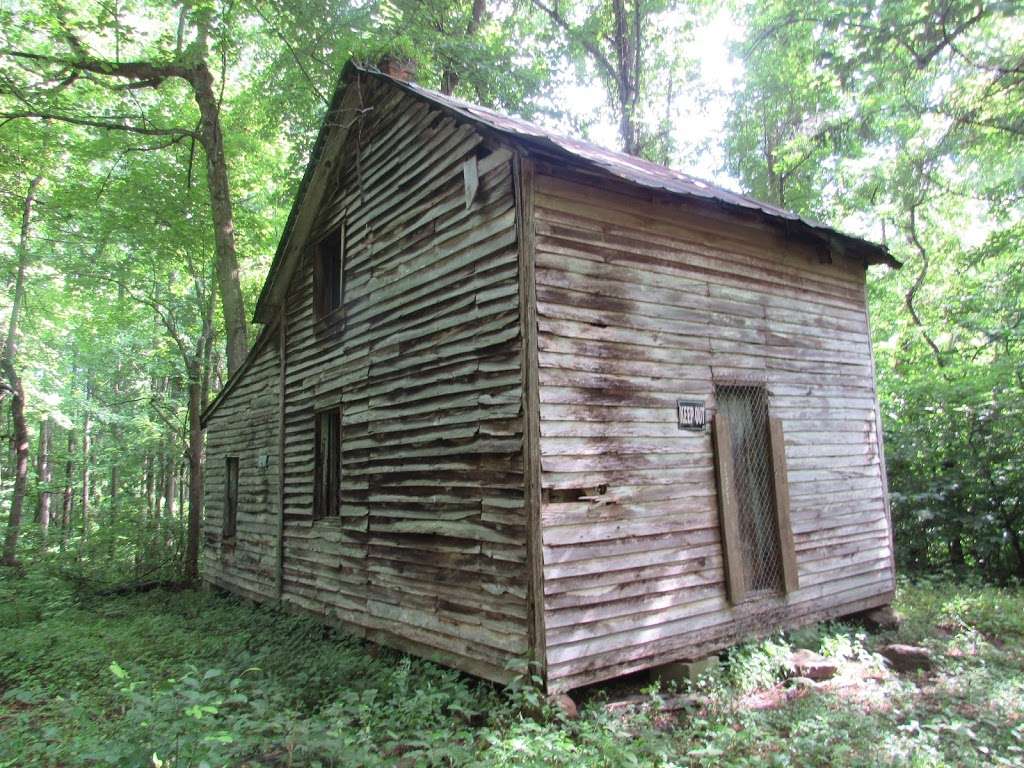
[(728, 510), (523, 176), (780, 484)]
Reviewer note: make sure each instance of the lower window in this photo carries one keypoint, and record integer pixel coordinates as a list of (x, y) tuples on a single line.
[(230, 497), (327, 485)]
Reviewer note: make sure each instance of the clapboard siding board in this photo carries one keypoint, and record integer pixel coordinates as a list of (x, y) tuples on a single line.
[(633, 317), (515, 329)]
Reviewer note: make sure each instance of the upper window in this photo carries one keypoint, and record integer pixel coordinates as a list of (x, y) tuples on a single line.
[(328, 274), (230, 497), (327, 466)]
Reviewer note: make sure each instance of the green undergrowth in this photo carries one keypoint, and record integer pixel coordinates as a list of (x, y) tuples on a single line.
[(192, 678)]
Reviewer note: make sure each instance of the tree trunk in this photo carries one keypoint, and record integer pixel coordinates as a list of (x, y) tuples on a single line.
[(956, 553), (69, 493), (44, 473), (115, 482), (182, 484), (11, 343), (86, 448), (232, 302), (149, 485), (12, 387), (627, 63), (1018, 547), (161, 481), (20, 465), (195, 473), (170, 489)]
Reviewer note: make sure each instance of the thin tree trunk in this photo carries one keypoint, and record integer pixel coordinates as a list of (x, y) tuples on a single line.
[(170, 485), (195, 484), (161, 480), (12, 387), (67, 508), (86, 449), (20, 465), (149, 485), (917, 285), (44, 473), (1018, 546), (956, 553), (115, 483), (181, 491), (11, 342)]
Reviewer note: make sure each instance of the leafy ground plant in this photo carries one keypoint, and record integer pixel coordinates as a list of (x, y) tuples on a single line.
[(191, 679)]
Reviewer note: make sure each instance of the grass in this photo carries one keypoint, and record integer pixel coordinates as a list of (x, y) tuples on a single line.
[(198, 679)]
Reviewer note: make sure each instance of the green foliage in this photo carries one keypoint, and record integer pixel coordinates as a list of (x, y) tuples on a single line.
[(758, 665), (192, 678)]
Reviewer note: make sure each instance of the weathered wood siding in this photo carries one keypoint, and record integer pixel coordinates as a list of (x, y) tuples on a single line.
[(245, 425), (641, 303), (429, 551)]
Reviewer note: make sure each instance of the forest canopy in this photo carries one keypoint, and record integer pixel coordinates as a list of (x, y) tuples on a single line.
[(151, 152)]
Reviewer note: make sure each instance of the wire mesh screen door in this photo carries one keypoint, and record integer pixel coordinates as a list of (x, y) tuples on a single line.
[(746, 410)]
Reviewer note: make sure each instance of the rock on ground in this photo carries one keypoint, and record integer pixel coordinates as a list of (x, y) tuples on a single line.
[(812, 665), (906, 658), (801, 683), (881, 618), (565, 704)]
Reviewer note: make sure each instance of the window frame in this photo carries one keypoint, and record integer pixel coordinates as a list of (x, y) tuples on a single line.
[(729, 504), (328, 255), (232, 478), (327, 457)]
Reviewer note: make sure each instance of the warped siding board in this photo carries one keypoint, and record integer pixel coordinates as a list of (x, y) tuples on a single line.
[(636, 309), (428, 549), (245, 426)]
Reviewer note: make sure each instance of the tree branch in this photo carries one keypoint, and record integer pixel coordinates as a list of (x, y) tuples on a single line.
[(588, 46), (131, 70), (918, 283), (97, 123), (295, 56)]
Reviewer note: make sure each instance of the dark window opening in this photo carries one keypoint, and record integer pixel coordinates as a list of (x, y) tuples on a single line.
[(328, 275), (230, 497), (745, 409), (327, 482)]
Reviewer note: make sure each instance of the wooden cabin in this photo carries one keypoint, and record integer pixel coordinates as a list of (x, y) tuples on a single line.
[(517, 396)]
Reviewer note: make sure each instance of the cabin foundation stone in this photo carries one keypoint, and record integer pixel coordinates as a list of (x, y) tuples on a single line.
[(684, 672), (882, 618)]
